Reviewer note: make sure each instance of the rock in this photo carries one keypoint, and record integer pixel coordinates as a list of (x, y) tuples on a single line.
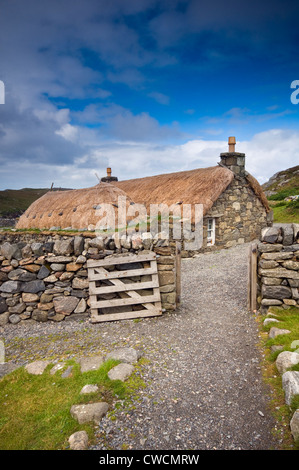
[(81, 307), (37, 367), (51, 278), (21, 275), (89, 389), (11, 287), (268, 264), (269, 302), (294, 425), (290, 302), (43, 272), (287, 264), (80, 283), (66, 276), (97, 242), (11, 251), (287, 234), (14, 319), (65, 304), (59, 259), (277, 331), (18, 308), (290, 384), (4, 318), (63, 247), (285, 360), (40, 315), (28, 297), (89, 412), (57, 267), (269, 320), (67, 373), (269, 248), (73, 267), (33, 286), (90, 363), (128, 355), (276, 292), (57, 367), (121, 372), (3, 305), (270, 234), (78, 245), (279, 272), (37, 249), (78, 440)]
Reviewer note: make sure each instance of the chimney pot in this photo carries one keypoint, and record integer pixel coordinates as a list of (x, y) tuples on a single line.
[(231, 144), (109, 172)]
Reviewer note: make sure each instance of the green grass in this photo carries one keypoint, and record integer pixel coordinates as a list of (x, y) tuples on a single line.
[(35, 410), (289, 320), (285, 212)]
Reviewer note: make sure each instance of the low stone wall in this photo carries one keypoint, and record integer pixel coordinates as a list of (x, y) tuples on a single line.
[(278, 267), (43, 277)]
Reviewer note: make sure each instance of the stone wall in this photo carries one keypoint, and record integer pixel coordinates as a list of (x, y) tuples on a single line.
[(240, 215), (43, 277), (278, 267)]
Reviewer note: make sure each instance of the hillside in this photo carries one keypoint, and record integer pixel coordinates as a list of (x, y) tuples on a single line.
[(13, 202), (281, 185)]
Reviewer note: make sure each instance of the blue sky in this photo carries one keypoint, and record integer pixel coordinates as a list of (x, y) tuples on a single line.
[(145, 87)]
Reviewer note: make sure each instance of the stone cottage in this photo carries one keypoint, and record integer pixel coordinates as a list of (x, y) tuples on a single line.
[(235, 208)]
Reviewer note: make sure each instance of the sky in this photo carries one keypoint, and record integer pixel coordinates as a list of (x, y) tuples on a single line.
[(145, 87)]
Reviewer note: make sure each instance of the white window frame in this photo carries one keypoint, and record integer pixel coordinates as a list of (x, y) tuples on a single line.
[(211, 231)]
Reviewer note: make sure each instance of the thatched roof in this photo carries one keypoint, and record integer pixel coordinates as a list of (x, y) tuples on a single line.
[(76, 208), (79, 208)]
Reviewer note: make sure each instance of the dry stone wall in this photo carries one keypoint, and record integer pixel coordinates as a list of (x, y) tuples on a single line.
[(43, 277), (278, 267)]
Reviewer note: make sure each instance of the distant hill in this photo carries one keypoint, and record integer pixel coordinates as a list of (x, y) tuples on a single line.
[(282, 184), (13, 202)]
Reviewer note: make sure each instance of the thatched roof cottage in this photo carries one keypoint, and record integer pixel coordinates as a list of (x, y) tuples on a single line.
[(235, 208)]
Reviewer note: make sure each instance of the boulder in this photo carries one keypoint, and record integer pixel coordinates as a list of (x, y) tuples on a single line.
[(128, 355), (290, 384), (270, 234), (78, 440), (121, 372), (285, 360), (294, 425), (90, 363), (277, 331), (37, 367), (65, 304), (10, 251), (89, 412), (64, 247)]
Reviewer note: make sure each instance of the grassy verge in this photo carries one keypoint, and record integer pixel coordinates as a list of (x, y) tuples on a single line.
[(35, 409), (288, 319), (285, 212)]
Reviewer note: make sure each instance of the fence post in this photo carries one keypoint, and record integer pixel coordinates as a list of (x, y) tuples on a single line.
[(253, 277), (178, 273)]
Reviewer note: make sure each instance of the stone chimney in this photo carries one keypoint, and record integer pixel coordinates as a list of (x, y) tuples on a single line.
[(233, 160), (109, 178)]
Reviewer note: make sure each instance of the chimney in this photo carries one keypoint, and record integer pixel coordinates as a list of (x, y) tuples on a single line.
[(109, 178), (233, 160)]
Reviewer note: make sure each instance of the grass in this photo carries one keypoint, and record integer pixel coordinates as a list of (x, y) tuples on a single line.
[(35, 410), (288, 319), (285, 212)]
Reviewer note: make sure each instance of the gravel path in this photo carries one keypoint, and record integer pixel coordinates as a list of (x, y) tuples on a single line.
[(201, 366)]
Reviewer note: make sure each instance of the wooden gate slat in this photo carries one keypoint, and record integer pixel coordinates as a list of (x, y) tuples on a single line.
[(151, 303)]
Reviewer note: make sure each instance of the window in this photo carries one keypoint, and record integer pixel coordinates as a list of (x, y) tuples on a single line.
[(211, 232)]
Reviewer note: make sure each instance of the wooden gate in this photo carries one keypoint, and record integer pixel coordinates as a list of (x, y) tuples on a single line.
[(252, 278), (124, 287)]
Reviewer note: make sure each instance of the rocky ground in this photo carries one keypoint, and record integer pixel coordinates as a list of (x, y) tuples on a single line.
[(200, 365)]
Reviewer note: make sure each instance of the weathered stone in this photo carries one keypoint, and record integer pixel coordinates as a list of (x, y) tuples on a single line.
[(46, 298), (89, 412), (57, 317), (3, 276), (57, 267), (34, 286), (89, 389), (32, 268), (121, 372), (276, 292), (289, 265), (80, 283), (290, 384), (66, 276), (40, 315), (270, 234), (279, 272), (18, 308), (268, 302), (97, 242), (57, 368), (267, 247), (65, 304), (128, 355), (67, 373), (78, 245), (282, 255), (81, 259), (294, 425), (45, 306), (21, 275), (63, 247), (285, 360), (37, 367), (287, 235), (78, 440), (51, 278), (268, 264), (271, 281), (10, 251), (43, 272), (11, 287), (59, 259), (277, 331), (73, 267), (165, 278), (14, 318), (4, 318), (90, 363), (37, 248), (3, 305), (81, 307)]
